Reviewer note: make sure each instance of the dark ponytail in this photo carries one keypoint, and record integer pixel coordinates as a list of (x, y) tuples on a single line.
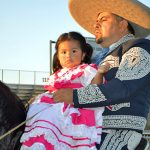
[(88, 53)]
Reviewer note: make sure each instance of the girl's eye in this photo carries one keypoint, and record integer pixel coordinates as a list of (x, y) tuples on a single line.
[(63, 52), (74, 51)]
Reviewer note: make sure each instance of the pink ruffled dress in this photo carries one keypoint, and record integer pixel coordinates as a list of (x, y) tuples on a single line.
[(59, 126)]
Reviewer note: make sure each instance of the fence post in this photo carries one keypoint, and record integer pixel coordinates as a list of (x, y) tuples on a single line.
[(2, 75)]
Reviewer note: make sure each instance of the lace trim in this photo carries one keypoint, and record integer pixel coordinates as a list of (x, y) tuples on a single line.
[(74, 77), (70, 74), (90, 94), (135, 64), (124, 121)]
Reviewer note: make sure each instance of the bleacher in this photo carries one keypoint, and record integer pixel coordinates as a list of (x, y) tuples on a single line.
[(26, 92), (26, 84)]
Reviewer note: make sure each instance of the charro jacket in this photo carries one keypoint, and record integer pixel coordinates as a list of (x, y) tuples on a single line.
[(126, 94)]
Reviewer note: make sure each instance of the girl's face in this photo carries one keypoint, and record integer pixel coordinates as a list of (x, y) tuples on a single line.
[(70, 54)]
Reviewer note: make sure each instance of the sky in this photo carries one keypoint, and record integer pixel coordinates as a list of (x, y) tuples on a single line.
[(27, 26)]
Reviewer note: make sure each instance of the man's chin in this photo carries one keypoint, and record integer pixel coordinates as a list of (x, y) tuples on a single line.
[(99, 40)]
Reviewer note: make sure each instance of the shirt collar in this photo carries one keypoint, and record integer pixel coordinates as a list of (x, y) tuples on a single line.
[(121, 41)]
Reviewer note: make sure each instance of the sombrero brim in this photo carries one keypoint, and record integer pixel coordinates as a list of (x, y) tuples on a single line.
[(85, 13)]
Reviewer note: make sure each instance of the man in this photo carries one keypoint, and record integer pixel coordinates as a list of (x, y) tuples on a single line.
[(127, 91)]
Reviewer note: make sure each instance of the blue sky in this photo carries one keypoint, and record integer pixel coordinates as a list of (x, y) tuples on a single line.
[(26, 26)]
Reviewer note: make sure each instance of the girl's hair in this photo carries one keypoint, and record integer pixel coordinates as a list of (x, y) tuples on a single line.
[(85, 47)]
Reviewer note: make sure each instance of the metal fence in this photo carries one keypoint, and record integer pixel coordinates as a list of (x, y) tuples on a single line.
[(23, 77)]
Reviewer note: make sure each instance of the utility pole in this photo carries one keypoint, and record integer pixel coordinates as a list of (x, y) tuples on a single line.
[(51, 56)]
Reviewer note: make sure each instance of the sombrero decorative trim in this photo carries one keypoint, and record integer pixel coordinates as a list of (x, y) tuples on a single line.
[(85, 13)]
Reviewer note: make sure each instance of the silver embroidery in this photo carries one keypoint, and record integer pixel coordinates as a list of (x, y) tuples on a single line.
[(134, 140), (135, 64), (90, 94), (119, 106), (117, 139), (124, 121), (115, 61)]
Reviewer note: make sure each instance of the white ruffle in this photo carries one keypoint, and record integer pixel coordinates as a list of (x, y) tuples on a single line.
[(66, 74), (51, 138), (36, 146), (76, 131)]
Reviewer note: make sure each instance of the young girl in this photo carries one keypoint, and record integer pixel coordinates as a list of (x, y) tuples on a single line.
[(59, 126)]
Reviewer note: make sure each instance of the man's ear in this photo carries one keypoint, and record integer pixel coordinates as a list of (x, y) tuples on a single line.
[(124, 25)]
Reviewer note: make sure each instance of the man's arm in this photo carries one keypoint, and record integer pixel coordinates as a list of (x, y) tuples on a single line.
[(133, 74)]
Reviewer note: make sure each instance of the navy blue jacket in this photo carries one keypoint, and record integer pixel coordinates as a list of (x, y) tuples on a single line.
[(127, 92)]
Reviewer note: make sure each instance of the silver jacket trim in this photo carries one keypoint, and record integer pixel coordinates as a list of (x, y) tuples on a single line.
[(124, 121)]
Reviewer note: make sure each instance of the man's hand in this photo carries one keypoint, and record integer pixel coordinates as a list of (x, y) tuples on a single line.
[(64, 95)]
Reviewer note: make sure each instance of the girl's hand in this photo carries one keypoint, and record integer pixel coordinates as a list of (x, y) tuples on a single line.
[(63, 95), (104, 68)]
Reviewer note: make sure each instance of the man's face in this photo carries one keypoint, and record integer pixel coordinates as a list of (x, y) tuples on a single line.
[(107, 29)]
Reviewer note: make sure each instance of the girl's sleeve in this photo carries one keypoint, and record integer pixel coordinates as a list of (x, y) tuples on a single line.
[(88, 75)]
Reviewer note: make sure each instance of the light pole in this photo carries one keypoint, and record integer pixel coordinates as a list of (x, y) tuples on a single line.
[(51, 56)]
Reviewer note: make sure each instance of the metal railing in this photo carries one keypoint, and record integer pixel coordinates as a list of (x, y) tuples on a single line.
[(23, 77)]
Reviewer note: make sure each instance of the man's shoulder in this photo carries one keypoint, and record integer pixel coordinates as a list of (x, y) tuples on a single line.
[(138, 42)]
